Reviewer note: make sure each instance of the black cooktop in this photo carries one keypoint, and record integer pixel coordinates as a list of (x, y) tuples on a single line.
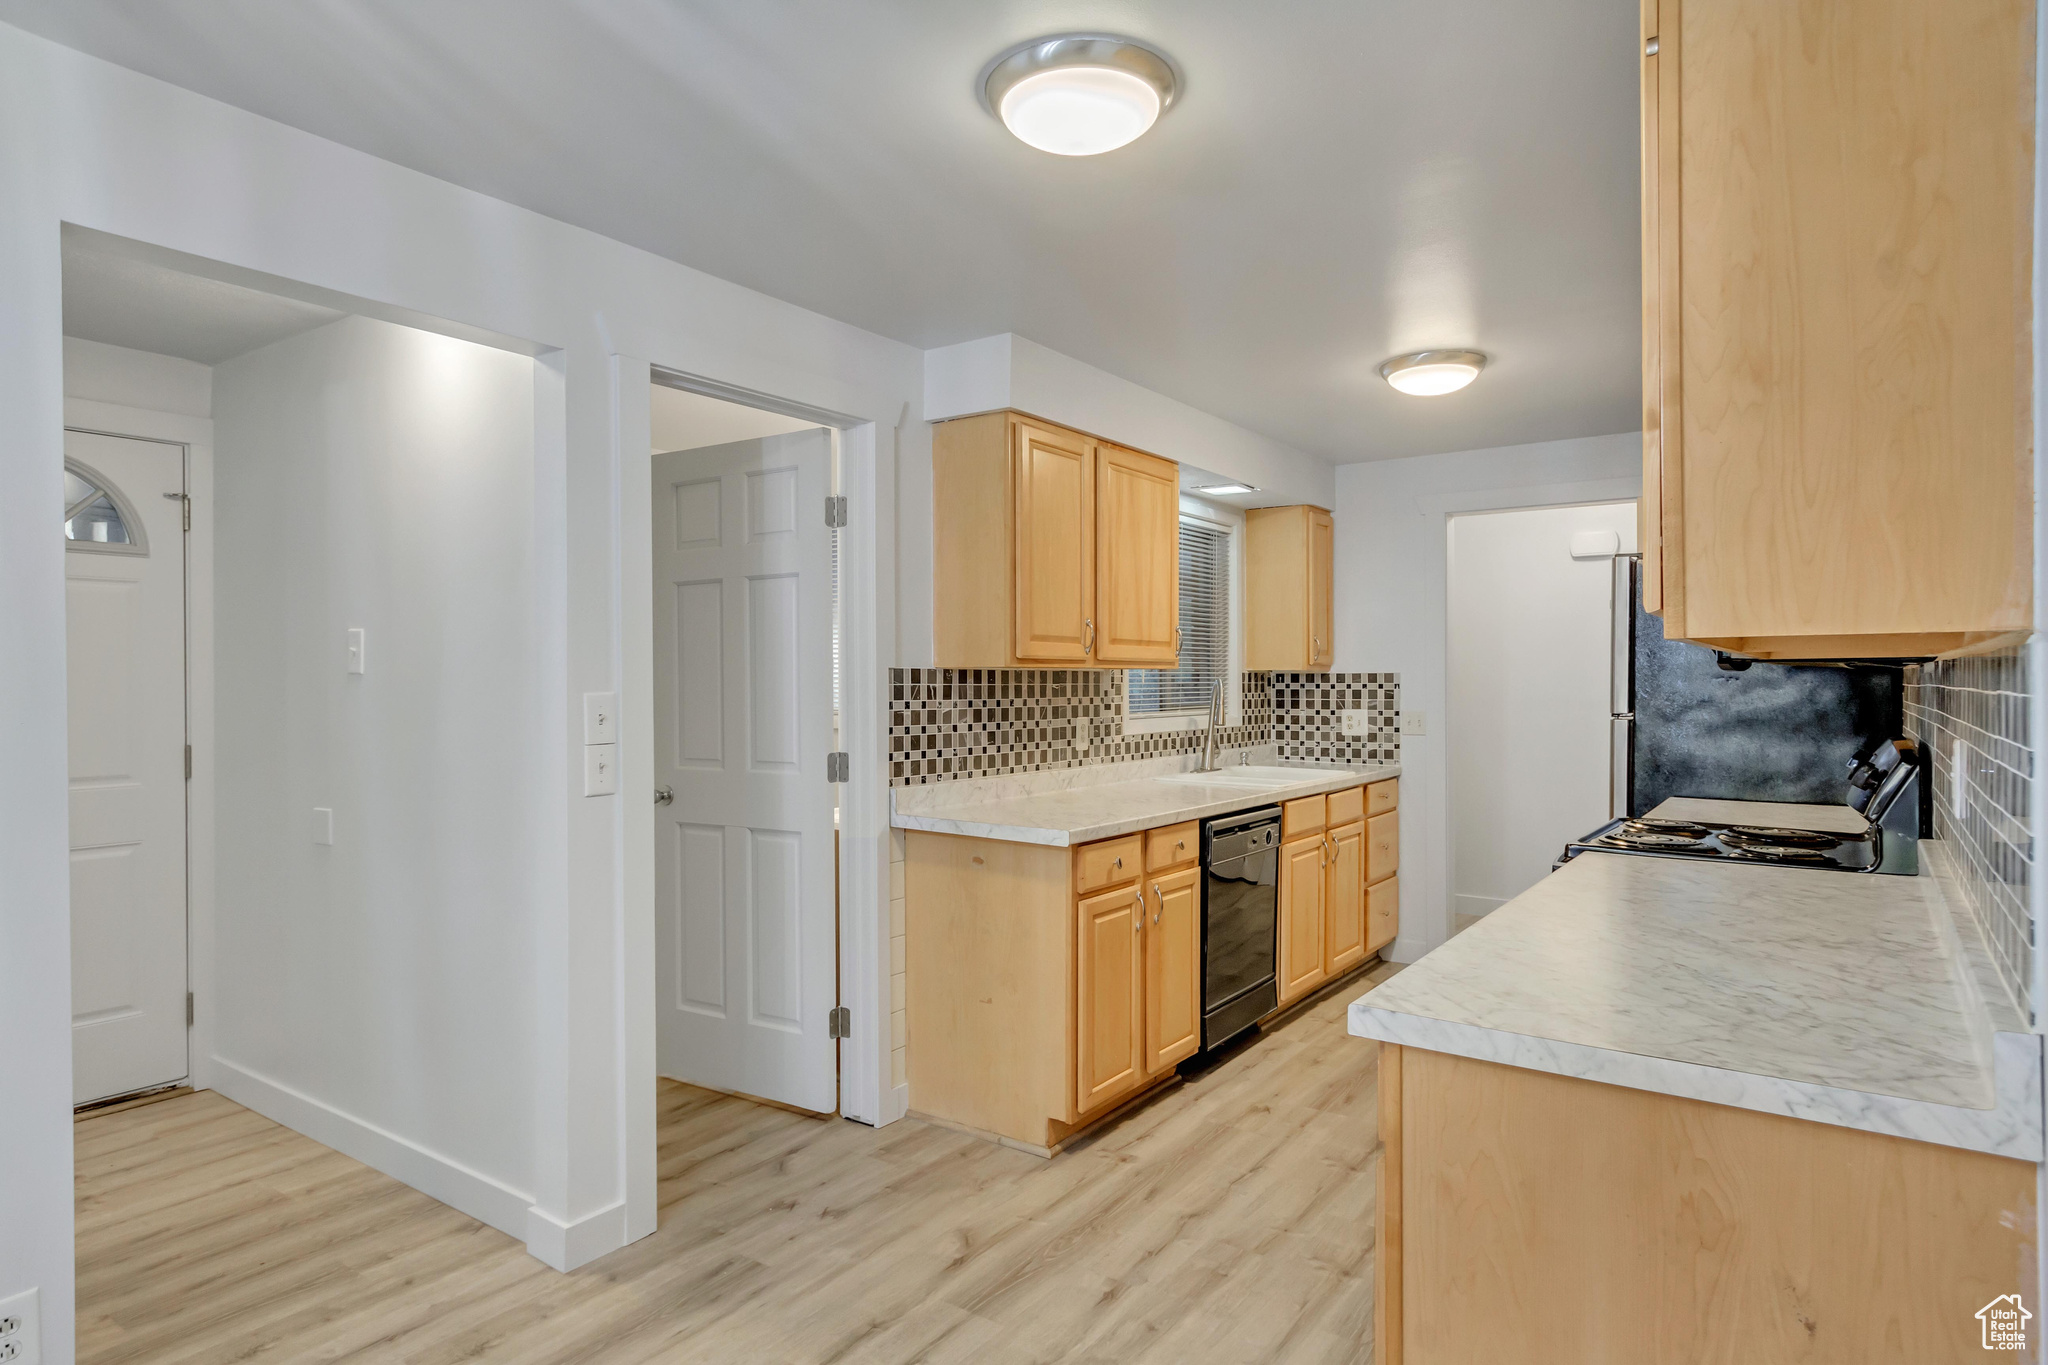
[(1647, 836)]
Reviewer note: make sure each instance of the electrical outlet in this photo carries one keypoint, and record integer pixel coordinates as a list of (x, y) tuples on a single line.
[(1353, 722), (21, 1337)]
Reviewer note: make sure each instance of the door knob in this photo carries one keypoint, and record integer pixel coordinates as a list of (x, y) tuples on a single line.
[(664, 795)]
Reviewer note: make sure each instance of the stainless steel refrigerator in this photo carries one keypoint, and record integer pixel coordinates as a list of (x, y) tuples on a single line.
[(1686, 723)]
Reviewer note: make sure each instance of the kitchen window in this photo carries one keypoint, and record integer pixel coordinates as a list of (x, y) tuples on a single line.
[(1207, 650)]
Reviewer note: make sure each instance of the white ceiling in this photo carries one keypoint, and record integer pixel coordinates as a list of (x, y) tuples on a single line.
[(685, 421), (1342, 181), (122, 301)]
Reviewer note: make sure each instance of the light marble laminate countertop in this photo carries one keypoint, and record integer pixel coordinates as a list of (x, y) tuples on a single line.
[(1083, 814), (1861, 1000)]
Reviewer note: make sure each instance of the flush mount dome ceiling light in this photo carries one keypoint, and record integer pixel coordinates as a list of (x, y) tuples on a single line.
[(1429, 373), (1080, 94)]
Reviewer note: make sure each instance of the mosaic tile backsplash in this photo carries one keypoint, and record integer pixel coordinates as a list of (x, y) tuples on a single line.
[(1982, 702), (950, 723), (1309, 711)]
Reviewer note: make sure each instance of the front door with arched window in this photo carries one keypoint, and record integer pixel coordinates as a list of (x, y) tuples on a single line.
[(124, 598)]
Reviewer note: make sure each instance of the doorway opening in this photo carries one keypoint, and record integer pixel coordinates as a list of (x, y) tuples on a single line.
[(1528, 662), (749, 763)]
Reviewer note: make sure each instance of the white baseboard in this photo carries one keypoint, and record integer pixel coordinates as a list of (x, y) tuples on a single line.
[(1477, 905), (565, 1246), (895, 1104), (444, 1178)]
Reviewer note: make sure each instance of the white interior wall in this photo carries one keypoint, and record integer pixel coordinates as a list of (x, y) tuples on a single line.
[(1529, 665), (136, 379), (379, 993), (88, 143), (1391, 605)]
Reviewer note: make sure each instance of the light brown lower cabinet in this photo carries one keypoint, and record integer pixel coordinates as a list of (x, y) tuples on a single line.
[(1344, 900), (1110, 996), (1554, 1221), (1382, 913), (1045, 986), (1303, 890)]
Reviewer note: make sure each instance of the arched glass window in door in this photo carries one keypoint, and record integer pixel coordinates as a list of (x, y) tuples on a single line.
[(97, 516)]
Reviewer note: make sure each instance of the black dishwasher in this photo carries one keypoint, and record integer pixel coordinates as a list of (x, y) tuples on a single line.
[(1240, 911)]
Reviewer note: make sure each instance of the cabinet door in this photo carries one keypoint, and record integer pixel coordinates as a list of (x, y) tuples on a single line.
[(1382, 913), (1109, 1024), (1173, 970), (1842, 279), (1137, 558), (1344, 899), (1054, 544), (1382, 846), (1302, 863), (1321, 580), (1658, 253)]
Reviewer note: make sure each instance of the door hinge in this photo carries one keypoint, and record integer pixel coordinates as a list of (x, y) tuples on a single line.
[(836, 766), (191, 1011), (835, 512), (188, 763), (839, 1023), (184, 501)]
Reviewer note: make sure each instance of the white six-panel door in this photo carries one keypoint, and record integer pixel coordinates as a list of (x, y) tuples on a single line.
[(125, 650), (745, 864)]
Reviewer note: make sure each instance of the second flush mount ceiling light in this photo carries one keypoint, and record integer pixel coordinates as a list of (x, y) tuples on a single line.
[(1426, 374), (1080, 94)]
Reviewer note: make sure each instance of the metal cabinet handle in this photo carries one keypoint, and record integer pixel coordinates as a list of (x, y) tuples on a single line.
[(1318, 656), (1117, 864), (1088, 645), (1138, 924), (1161, 900), (664, 795)]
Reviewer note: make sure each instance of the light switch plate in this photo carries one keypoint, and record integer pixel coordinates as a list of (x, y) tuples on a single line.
[(601, 770), (355, 649), (600, 717), (1353, 722), (1414, 722), (21, 1329), (323, 824)]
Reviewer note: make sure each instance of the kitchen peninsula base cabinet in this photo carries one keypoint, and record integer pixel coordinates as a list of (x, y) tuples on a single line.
[(1046, 986), (1549, 1220)]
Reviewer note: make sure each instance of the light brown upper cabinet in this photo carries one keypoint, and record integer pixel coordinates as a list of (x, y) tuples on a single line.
[(1137, 557), (1837, 229), (1051, 547), (1054, 530), (1288, 576)]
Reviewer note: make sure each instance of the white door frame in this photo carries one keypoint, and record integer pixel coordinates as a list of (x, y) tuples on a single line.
[(867, 597), (1426, 841), (195, 434)]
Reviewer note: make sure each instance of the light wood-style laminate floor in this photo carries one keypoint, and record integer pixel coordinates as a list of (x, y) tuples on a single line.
[(1230, 1220)]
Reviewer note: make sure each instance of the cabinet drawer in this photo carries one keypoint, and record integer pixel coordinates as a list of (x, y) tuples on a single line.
[(1346, 806), (1381, 797), (1382, 914), (1305, 816), (1172, 846), (1109, 862), (1382, 846)]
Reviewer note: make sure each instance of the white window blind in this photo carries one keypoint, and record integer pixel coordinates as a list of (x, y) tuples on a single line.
[(1204, 627)]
